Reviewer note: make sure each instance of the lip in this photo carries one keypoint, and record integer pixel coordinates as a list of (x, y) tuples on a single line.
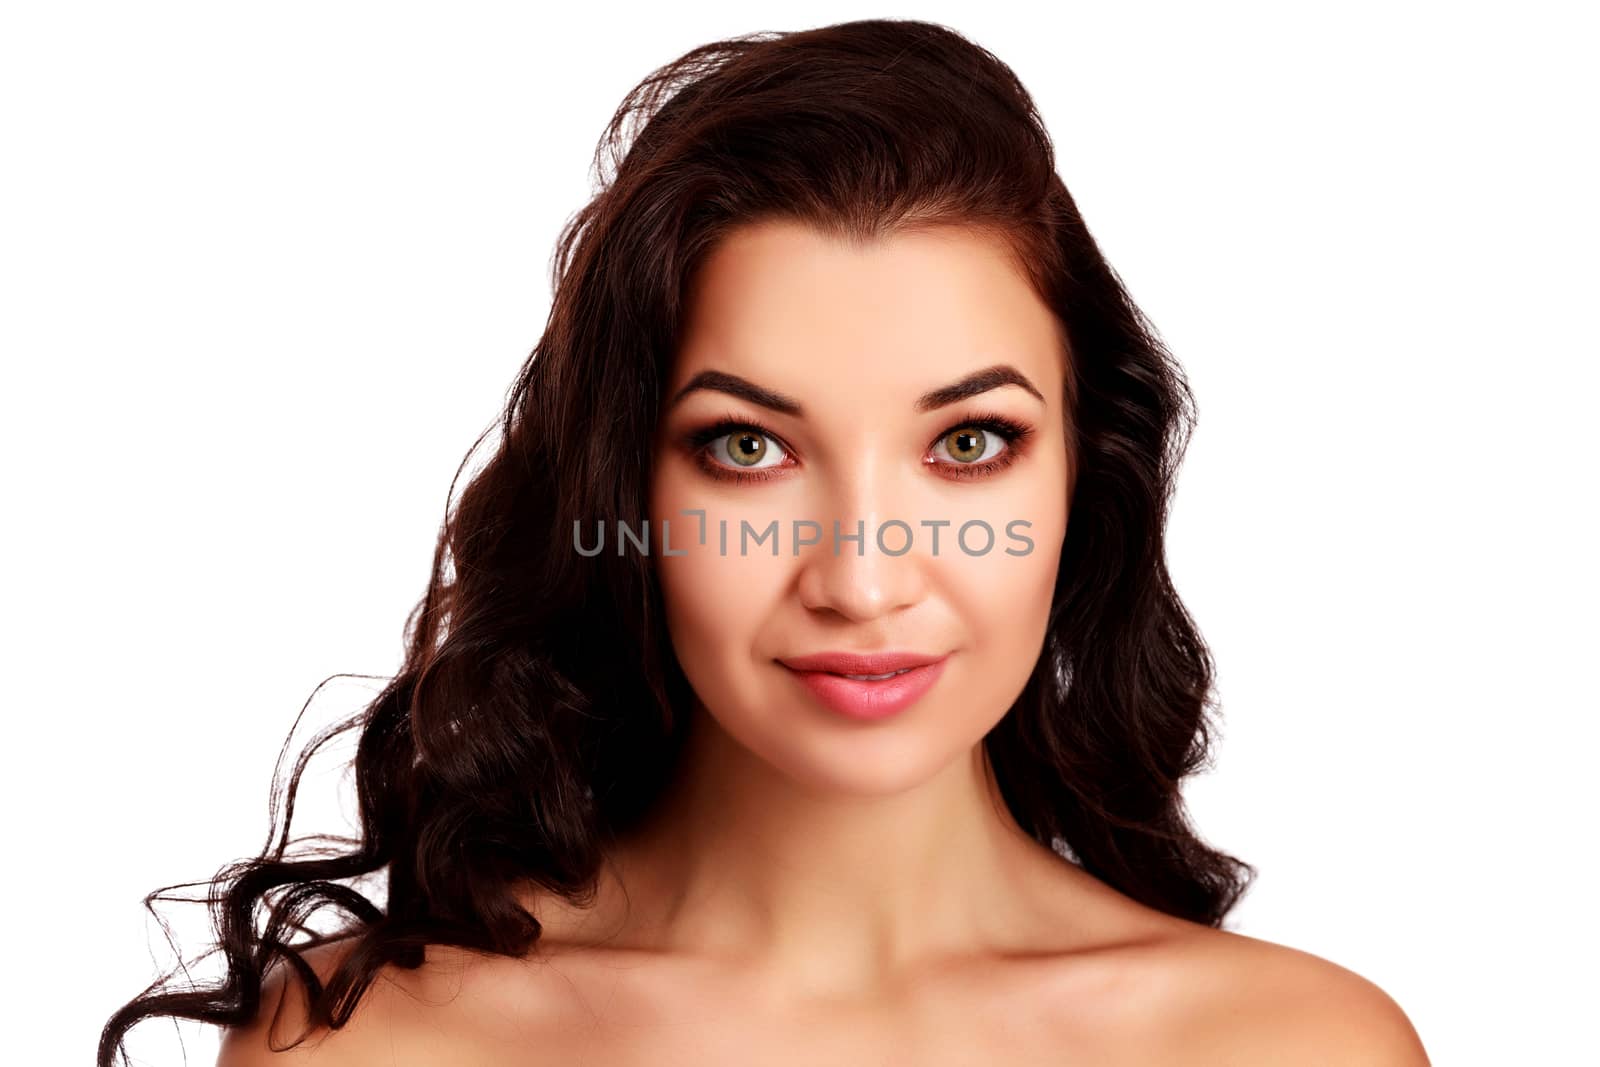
[(867, 699), (859, 662)]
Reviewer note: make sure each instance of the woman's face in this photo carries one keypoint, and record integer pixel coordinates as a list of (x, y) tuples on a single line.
[(961, 529)]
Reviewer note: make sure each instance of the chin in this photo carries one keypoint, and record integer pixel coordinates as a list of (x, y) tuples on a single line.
[(851, 759)]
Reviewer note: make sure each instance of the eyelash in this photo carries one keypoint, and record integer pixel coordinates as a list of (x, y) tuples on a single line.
[(1012, 432)]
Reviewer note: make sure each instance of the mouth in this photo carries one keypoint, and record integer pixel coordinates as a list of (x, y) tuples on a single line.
[(871, 677), (869, 695), (862, 665)]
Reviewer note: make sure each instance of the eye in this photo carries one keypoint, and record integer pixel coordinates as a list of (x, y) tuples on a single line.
[(971, 444), (737, 450), (983, 445), (747, 449)]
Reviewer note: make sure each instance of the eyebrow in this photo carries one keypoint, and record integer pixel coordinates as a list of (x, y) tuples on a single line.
[(979, 381)]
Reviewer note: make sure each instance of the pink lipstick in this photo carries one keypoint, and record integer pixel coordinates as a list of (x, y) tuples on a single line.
[(884, 682)]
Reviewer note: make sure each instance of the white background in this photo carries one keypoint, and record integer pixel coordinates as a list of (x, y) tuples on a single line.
[(268, 271)]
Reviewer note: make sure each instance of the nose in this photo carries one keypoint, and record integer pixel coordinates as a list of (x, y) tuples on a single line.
[(868, 578)]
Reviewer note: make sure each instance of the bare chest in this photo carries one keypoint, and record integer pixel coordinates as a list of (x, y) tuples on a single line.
[(586, 1014)]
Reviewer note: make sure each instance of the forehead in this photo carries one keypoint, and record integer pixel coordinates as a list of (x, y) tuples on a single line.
[(785, 305)]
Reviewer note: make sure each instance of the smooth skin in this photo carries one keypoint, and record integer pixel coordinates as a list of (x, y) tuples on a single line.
[(817, 888)]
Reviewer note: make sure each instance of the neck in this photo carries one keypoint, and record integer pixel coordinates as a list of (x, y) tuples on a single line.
[(835, 891)]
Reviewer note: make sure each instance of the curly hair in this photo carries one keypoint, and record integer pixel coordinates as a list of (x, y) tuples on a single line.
[(540, 709)]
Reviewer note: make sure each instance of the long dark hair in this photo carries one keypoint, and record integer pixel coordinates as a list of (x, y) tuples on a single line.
[(540, 710)]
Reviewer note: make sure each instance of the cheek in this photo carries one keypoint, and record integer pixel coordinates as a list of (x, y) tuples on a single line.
[(1003, 603), (713, 600), (715, 603), (1003, 600)]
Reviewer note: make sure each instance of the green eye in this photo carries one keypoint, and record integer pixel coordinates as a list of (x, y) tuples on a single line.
[(743, 451), (746, 449), (738, 450), (966, 444)]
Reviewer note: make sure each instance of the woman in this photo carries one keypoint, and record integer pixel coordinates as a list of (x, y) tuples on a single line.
[(801, 678)]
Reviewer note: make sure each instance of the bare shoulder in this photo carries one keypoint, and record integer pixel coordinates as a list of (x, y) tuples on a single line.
[(1242, 1000), (457, 1007), (366, 1038)]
